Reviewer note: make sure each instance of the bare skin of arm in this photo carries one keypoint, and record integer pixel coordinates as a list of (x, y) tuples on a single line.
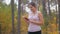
[(41, 22)]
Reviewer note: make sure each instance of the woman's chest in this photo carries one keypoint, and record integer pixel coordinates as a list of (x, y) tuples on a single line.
[(35, 17)]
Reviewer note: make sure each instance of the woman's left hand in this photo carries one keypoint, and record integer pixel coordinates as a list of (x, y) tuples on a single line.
[(32, 20)]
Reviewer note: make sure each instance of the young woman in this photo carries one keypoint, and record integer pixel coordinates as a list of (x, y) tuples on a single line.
[(35, 19)]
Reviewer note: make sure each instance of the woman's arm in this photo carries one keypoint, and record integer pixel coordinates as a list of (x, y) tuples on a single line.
[(41, 22), (26, 19)]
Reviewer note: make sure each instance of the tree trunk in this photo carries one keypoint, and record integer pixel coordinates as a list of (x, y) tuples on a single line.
[(59, 14), (45, 15), (12, 8), (19, 15)]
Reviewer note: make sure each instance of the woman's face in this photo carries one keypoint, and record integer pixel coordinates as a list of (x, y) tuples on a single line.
[(32, 8)]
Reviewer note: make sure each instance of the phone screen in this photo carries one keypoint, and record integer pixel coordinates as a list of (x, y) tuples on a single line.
[(26, 18)]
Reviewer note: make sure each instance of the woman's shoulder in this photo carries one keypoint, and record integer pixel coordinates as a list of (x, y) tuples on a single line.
[(39, 13)]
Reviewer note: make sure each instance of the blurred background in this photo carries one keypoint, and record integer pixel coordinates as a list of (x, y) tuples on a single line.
[(11, 12)]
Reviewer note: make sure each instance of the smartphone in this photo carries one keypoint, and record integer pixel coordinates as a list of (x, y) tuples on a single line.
[(26, 18)]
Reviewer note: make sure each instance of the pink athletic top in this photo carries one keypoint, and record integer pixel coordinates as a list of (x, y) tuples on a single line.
[(33, 27)]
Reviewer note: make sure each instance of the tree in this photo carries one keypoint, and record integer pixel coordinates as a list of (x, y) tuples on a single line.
[(59, 14), (45, 14), (12, 8), (19, 15)]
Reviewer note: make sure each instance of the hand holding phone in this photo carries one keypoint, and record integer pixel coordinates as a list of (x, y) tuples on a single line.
[(27, 19)]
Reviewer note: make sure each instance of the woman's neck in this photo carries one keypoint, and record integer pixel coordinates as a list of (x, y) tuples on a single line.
[(34, 12)]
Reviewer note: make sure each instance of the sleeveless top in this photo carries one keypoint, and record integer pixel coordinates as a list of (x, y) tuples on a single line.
[(33, 27)]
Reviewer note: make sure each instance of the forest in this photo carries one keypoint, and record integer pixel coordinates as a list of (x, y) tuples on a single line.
[(11, 20)]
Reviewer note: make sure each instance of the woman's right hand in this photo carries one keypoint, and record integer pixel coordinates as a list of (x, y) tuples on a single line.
[(25, 18), (27, 21)]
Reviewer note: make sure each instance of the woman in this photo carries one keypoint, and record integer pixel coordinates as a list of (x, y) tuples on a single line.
[(35, 20)]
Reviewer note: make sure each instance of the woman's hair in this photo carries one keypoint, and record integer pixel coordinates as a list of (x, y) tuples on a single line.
[(33, 4)]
